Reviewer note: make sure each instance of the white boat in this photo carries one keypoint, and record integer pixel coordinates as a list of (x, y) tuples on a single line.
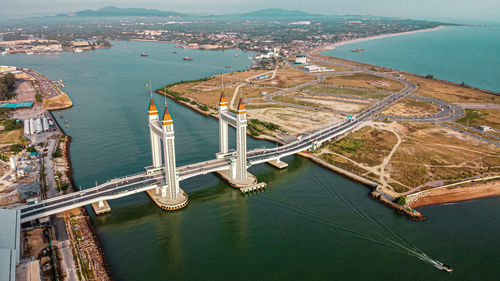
[(29, 53), (77, 50), (3, 53)]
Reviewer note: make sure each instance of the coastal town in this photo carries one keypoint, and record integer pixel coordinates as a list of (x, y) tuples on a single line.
[(412, 140), (35, 166)]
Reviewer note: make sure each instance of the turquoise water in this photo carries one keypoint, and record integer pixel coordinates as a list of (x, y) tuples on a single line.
[(320, 232), (457, 54)]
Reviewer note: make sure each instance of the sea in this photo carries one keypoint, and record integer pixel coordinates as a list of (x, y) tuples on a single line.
[(468, 54), (310, 223)]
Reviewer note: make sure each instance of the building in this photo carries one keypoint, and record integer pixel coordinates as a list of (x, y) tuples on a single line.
[(80, 44), (10, 238), (7, 69), (305, 22), (302, 59), (316, 68)]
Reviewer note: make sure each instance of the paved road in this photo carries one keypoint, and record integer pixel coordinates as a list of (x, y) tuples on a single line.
[(127, 185), (46, 84), (448, 112)]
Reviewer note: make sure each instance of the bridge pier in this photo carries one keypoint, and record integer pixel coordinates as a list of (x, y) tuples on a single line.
[(278, 163), (168, 196), (101, 207)]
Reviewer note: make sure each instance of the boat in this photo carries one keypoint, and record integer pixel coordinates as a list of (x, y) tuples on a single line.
[(357, 50), (4, 53), (186, 58), (29, 53), (175, 52), (77, 50), (250, 58), (236, 55), (144, 55), (228, 66), (61, 117), (447, 268)]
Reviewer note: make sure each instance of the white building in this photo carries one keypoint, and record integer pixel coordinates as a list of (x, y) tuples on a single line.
[(12, 162), (301, 59), (317, 68)]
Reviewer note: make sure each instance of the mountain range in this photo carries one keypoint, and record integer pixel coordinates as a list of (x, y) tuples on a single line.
[(112, 11)]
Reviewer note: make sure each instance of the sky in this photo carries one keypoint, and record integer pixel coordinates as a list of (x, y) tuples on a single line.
[(487, 10)]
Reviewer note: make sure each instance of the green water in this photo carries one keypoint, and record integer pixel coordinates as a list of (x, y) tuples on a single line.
[(320, 232), (458, 54)]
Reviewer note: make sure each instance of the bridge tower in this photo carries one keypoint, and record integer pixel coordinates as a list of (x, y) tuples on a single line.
[(223, 137), (155, 139), (172, 191), (241, 142)]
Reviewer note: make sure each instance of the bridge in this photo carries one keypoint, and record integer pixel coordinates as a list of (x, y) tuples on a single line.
[(161, 179)]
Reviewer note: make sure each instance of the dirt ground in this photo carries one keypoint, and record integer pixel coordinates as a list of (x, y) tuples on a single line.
[(10, 136), (294, 121), (334, 104), (25, 92), (366, 81), (411, 107), (35, 242), (450, 92), (58, 102), (286, 78)]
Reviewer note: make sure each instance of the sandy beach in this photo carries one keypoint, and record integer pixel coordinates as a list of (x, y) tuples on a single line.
[(333, 46), (443, 195)]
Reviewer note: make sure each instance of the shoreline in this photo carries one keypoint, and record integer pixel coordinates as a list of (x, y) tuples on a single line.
[(381, 36), (445, 195)]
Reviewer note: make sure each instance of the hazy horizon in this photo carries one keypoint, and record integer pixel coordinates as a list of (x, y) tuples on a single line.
[(481, 10)]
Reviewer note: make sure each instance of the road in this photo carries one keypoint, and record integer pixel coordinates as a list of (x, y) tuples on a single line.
[(141, 181)]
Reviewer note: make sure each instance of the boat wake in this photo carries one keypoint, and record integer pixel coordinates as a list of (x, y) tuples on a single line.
[(385, 237)]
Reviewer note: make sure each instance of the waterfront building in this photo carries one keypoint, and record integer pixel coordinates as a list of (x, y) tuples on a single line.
[(302, 59), (10, 238)]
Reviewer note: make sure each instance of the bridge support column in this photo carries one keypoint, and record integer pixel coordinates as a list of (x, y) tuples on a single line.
[(278, 163), (101, 207), (155, 138), (223, 136), (171, 196), (241, 143)]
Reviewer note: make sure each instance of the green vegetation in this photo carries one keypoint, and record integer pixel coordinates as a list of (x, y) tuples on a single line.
[(256, 127), (16, 148), (470, 118), (401, 200), (31, 149), (57, 153), (176, 95), (11, 124), (38, 97), (7, 86), (268, 125)]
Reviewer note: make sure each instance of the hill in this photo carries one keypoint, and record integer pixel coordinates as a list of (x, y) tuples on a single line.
[(112, 11)]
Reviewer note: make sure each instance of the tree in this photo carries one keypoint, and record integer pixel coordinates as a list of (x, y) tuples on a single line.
[(401, 200)]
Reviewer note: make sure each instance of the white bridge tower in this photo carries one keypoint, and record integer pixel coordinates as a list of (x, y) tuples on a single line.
[(238, 169)]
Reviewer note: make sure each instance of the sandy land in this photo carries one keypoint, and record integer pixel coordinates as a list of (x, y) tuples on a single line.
[(58, 102), (333, 46), (294, 120), (444, 195)]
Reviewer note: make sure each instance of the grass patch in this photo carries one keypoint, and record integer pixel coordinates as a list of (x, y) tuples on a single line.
[(471, 118), (346, 92)]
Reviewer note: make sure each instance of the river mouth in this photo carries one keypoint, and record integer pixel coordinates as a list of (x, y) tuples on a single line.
[(223, 234)]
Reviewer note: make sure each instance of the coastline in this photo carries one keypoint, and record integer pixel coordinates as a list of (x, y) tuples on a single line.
[(347, 42), (84, 220), (444, 195)]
